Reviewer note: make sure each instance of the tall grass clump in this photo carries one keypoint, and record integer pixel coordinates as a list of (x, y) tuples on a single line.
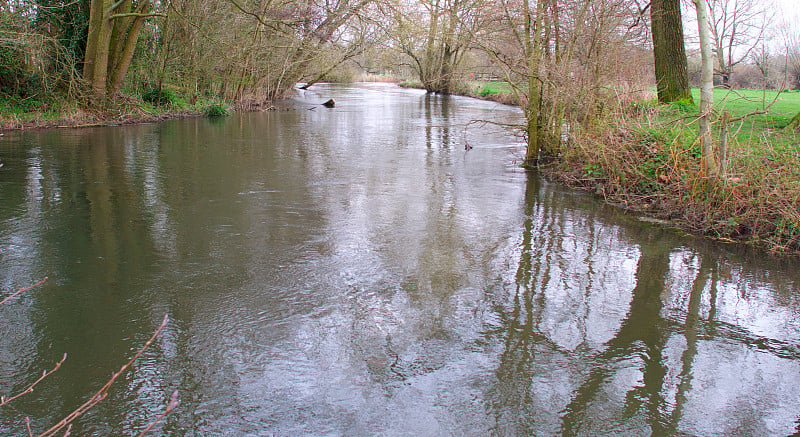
[(216, 109)]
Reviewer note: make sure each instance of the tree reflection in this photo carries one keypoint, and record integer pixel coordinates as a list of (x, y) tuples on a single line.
[(652, 372), (705, 275), (437, 112), (640, 337)]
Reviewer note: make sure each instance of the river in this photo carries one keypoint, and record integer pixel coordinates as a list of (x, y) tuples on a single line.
[(356, 271)]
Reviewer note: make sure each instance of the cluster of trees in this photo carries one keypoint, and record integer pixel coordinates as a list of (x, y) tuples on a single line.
[(234, 49)]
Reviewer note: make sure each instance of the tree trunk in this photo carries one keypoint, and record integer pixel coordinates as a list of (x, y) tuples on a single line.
[(533, 50), (125, 52), (672, 76), (708, 158), (111, 41)]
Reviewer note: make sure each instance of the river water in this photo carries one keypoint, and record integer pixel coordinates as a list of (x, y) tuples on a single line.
[(356, 271)]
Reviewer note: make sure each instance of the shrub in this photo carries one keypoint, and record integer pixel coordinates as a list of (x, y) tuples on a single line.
[(159, 96), (216, 109), (16, 79)]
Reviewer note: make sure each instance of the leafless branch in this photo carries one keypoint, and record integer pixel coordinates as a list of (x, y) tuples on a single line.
[(103, 392), (22, 290), (134, 14), (5, 400), (173, 402)]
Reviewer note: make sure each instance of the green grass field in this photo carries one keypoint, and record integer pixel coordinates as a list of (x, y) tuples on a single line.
[(741, 102), (487, 88)]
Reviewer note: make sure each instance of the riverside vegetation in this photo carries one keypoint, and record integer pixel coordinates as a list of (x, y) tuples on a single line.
[(645, 157)]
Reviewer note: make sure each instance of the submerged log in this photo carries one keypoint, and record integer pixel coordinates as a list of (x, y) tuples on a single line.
[(329, 104)]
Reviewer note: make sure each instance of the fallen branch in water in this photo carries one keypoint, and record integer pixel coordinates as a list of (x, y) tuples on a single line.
[(103, 392)]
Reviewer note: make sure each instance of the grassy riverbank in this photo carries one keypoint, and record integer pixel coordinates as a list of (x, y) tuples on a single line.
[(646, 158), (495, 91), (148, 107)]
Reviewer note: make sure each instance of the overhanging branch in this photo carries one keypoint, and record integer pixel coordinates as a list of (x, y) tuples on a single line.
[(134, 14)]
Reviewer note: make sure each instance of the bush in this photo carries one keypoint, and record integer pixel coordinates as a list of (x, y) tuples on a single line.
[(216, 109), (15, 78), (159, 97)]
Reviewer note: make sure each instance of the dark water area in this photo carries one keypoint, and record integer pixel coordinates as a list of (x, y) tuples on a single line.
[(356, 271)]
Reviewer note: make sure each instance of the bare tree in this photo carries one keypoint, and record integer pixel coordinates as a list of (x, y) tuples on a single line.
[(761, 57), (708, 156), (561, 60), (435, 35), (737, 28), (266, 46)]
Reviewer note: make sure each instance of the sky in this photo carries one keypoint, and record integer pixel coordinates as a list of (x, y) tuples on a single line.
[(788, 9), (785, 12)]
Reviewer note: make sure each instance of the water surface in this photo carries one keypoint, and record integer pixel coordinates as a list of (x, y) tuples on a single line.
[(355, 271)]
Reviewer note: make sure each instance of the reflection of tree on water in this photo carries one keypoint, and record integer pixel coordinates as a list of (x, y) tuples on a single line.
[(530, 348), (437, 112), (690, 332), (512, 395), (641, 336), (657, 364)]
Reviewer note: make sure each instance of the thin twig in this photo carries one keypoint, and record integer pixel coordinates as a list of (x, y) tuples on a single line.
[(4, 400), (171, 406), (103, 392), (22, 290)]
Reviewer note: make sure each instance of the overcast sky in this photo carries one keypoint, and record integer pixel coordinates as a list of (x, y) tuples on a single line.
[(788, 9), (786, 12)]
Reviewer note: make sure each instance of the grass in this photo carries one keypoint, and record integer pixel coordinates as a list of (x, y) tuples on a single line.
[(488, 88), (741, 102), (147, 105), (497, 91)]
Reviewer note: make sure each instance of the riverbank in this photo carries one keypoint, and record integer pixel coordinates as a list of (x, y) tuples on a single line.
[(645, 158), (81, 118), (149, 108), (494, 91)]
